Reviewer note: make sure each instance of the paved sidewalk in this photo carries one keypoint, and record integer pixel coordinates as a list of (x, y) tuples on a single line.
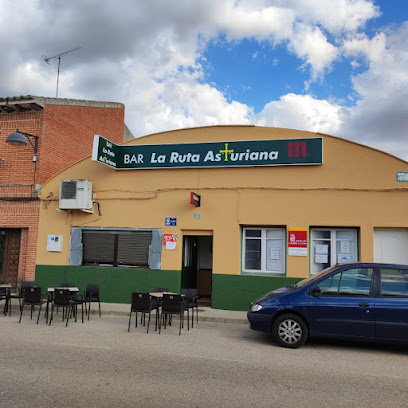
[(204, 313)]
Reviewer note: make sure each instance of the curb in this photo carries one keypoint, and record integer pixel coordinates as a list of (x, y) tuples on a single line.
[(221, 318)]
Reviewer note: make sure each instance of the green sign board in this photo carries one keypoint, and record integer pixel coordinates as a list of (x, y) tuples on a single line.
[(308, 151), (402, 176)]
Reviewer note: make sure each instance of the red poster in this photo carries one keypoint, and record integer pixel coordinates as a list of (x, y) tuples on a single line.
[(297, 239), (168, 238)]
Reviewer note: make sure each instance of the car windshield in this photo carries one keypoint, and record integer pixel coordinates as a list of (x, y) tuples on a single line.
[(312, 278)]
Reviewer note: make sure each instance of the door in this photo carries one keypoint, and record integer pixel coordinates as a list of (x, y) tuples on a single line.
[(9, 255), (391, 245), (197, 264), (345, 306), (189, 270), (391, 308)]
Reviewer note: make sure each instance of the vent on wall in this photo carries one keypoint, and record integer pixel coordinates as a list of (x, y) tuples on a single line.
[(76, 195)]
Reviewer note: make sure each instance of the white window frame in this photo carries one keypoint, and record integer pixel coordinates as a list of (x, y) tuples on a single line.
[(264, 239), (333, 241)]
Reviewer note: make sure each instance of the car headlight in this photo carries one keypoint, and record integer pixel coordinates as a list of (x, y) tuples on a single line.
[(256, 307)]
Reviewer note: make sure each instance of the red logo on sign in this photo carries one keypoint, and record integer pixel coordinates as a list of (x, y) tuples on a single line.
[(297, 239), (297, 149)]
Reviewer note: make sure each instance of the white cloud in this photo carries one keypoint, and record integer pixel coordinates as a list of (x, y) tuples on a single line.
[(302, 112), (179, 102), (310, 44), (380, 117), (373, 49), (335, 15)]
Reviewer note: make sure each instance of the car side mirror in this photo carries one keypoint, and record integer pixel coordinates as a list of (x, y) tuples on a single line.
[(316, 291)]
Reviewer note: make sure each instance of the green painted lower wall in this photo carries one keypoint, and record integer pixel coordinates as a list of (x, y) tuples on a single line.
[(117, 284), (237, 292), (229, 292)]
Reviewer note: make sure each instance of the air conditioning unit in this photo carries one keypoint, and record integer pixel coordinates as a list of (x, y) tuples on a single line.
[(76, 195)]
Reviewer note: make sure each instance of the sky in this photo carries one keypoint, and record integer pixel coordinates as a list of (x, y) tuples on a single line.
[(338, 67)]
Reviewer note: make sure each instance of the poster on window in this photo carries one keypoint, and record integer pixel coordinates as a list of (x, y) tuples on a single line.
[(323, 259), (297, 242), (275, 254)]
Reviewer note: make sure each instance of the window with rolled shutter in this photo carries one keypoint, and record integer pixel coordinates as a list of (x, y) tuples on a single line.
[(133, 248), (116, 248)]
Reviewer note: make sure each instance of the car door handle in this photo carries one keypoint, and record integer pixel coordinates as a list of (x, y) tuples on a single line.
[(364, 304)]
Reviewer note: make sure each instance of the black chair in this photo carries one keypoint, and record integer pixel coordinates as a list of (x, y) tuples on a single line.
[(77, 299), (143, 302), (173, 305), (32, 297), (191, 297), (92, 295), (19, 294), (4, 295), (158, 290), (63, 299)]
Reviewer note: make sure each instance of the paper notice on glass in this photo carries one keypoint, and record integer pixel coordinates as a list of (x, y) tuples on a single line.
[(345, 247), (343, 258), (322, 249), (321, 259), (171, 245), (275, 254)]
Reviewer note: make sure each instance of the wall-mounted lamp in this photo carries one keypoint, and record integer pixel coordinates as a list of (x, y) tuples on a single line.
[(19, 139)]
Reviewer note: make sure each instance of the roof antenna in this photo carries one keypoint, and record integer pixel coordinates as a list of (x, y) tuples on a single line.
[(58, 56)]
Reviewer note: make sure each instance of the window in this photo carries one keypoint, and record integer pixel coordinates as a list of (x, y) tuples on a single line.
[(264, 250), (394, 282), (331, 247), (116, 247), (351, 282)]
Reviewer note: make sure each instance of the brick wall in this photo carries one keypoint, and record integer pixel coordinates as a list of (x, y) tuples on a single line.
[(65, 136)]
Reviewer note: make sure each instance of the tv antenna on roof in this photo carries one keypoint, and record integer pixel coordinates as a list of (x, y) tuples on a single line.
[(58, 57)]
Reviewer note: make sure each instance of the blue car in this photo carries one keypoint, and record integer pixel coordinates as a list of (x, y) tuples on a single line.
[(354, 301)]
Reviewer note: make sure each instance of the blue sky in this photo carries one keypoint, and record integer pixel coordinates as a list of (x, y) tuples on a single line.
[(336, 67)]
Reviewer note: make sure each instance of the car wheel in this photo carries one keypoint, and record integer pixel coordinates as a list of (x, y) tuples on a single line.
[(289, 330)]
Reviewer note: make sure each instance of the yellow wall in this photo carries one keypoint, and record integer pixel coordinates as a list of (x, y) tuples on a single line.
[(355, 187)]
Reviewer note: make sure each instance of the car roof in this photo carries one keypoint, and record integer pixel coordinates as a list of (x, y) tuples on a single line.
[(372, 264)]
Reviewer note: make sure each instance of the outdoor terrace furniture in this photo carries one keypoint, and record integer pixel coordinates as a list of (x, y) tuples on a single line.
[(4, 295), (158, 291), (50, 298), (32, 296), (92, 294), (66, 299), (143, 303), (191, 297), (20, 293), (173, 305)]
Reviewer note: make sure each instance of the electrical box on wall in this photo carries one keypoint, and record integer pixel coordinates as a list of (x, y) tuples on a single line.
[(76, 195), (54, 243)]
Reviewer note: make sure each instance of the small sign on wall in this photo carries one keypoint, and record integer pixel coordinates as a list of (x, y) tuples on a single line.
[(297, 242), (170, 241), (54, 243), (170, 221)]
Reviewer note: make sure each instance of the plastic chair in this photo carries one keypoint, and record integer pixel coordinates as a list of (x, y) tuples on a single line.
[(20, 293), (32, 297), (158, 290), (142, 302), (191, 297), (4, 295), (62, 298), (173, 305), (92, 294)]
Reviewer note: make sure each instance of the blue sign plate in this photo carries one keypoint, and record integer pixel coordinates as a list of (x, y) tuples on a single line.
[(170, 221)]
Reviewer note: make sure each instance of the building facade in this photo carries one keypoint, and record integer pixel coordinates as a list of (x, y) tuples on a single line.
[(234, 211), (64, 129)]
